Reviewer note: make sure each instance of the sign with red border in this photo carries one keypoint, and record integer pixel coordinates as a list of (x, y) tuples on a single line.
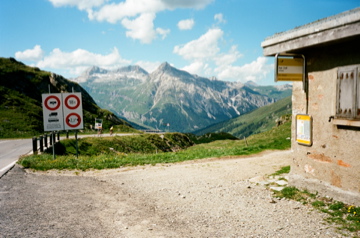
[(73, 120), (72, 102), (62, 111), (52, 112), (52, 102), (73, 114)]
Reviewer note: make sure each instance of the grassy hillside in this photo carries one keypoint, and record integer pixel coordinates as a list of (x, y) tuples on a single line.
[(21, 88), (271, 91), (115, 152), (257, 121)]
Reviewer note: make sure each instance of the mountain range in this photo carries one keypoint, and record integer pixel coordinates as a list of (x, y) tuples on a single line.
[(174, 100)]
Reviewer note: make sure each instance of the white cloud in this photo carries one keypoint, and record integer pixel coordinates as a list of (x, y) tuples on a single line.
[(162, 32), (115, 12), (208, 59), (81, 4), (77, 61), (196, 67), (228, 58), (34, 54), (137, 16), (141, 28), (187, 24), (204, 48), (254, 71), (131, 12), (219, 18), (198, 4), (148, 66)]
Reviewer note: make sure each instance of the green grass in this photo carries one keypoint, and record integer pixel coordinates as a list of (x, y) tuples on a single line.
[(21, 87), (209, 137), (283, 170), (346, 217), (257, 121), (95, 153)]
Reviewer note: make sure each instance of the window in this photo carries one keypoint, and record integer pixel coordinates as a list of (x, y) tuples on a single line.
[(348, 93)]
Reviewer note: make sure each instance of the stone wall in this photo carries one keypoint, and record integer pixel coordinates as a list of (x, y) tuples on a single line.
[(331, 165)]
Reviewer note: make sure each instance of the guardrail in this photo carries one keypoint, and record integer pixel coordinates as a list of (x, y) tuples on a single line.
[(152, 131), (43, 141)]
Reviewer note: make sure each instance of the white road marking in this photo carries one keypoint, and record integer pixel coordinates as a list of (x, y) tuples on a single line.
[(8, 166)]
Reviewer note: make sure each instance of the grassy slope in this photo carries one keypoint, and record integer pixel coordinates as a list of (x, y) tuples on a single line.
[(257, 121), (127, 155), (21, 87), (269, 90)]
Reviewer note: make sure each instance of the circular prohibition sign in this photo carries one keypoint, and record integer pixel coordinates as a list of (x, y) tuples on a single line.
[(67, 102), (57, 103), (78, 120)]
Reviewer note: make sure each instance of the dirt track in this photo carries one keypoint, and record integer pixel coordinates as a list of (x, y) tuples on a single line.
[(206, 198)]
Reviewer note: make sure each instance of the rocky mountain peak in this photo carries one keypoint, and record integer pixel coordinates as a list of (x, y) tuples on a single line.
[(251, 83), (174, 96), (132, 68), (95, 70), (166, 69), (165, 66)]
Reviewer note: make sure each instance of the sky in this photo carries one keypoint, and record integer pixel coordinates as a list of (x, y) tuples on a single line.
[(210, 38)]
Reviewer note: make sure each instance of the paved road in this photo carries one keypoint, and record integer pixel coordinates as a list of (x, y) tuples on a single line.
[(10, 151)]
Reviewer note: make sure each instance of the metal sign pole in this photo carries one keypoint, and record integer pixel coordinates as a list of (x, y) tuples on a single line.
[(77, 146), (53, 144)]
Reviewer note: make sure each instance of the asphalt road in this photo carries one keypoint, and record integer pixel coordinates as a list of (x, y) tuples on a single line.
[(10, 151)]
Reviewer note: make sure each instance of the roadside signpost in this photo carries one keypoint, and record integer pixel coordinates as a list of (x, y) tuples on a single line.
[(98, 125), (290, 69), (73, 115), (52, 112), (62, 111)]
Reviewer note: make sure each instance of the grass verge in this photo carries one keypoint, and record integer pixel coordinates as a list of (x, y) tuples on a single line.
[(102, 157), (346, 217)]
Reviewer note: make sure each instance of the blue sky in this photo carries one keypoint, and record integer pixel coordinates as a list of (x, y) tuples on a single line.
[(220, 38)]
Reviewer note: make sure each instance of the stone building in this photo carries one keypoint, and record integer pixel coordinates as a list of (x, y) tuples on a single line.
[(329, 96)]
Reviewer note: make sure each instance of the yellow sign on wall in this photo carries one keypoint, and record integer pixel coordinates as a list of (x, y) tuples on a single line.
[(289, 69), (304, 129)]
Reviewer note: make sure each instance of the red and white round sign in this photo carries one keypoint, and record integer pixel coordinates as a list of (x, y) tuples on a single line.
[(72, 102), (73, 120), (52, 103)]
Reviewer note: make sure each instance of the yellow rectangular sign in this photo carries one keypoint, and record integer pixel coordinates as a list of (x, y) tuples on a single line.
[(289, 69), (304, 129)]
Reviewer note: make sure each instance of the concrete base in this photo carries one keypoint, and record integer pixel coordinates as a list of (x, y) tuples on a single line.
[(324, 189)]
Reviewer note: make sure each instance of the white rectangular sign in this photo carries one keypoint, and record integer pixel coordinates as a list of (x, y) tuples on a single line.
[(62, 111), (289, 69), (304, 129), (73, 114), (52, 112), (98, 124)]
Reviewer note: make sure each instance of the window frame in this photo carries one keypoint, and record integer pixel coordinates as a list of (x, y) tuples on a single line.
[(348, 96)]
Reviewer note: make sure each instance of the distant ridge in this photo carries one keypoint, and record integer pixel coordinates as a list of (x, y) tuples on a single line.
[(257, 121), (172, 99)]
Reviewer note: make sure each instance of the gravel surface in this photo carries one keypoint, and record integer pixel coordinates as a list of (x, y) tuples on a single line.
[(203, 198)]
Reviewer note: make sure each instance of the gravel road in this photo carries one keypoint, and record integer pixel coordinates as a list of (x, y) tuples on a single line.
[(203, 198)]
